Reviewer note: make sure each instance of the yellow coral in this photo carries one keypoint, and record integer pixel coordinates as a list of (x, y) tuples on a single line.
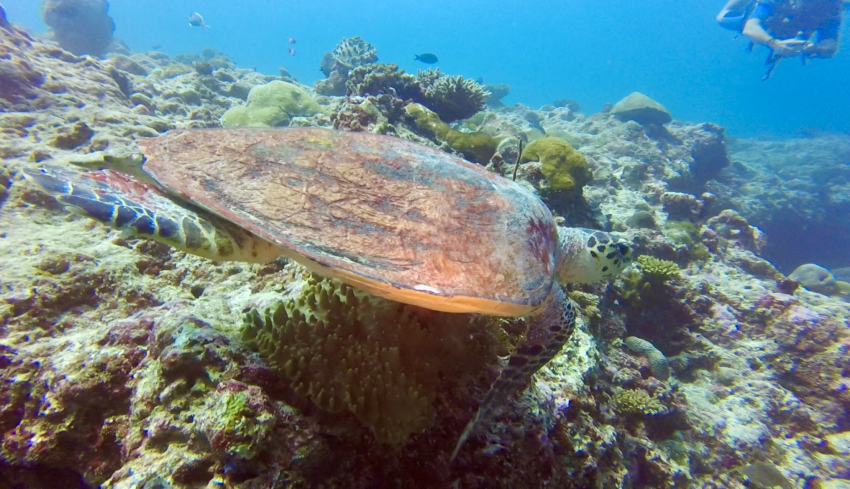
[(563, 167), (381, 360), (636, 401), (657, 270)]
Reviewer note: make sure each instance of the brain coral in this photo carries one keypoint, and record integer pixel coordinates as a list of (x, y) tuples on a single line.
[(272, 104), (657, 360), (381, 360)]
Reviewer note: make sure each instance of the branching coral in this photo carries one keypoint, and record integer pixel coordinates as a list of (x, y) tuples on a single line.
[(657, 270), (382, 79), (657, 360), (381, 360), (454, 97), (348, 54), (636, 401)]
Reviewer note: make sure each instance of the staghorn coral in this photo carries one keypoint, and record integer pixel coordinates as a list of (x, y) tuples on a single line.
[(454, 97), (80, 26), (657, 360), (636, 401), (381, 360)]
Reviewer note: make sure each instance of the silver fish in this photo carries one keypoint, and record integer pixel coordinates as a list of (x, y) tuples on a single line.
[(197, 20)]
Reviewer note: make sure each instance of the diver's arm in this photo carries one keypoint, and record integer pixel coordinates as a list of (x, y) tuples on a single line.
[(756, 33), (781, 47)]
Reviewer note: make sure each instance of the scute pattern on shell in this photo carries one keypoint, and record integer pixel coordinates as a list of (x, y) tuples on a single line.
[(380, 208)]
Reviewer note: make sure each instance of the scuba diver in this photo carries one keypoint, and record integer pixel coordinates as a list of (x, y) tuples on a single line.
[(805, 28)]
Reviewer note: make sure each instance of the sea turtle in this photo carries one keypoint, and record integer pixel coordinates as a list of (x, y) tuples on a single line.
[(396, 218)]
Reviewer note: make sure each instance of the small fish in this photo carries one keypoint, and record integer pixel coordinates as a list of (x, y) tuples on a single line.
[(292, 40), (156, 46), (429, 58), (291, 51), (196, 20)]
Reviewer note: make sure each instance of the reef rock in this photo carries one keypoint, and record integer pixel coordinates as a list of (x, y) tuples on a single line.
[(80, 26), (641, 109)]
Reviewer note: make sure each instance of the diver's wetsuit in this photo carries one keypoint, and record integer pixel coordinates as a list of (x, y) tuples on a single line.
[(786, 19)]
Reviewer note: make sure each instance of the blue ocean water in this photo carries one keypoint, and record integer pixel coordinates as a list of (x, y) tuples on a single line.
[(592, 52)]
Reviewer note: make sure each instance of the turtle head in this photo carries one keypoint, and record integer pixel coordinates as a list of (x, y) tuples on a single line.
[(587, 255)]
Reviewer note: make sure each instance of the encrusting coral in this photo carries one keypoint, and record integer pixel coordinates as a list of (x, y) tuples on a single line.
[(381, 360), (564, 168), (478, 147)]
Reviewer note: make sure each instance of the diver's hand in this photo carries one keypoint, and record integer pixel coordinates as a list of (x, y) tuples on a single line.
[(824, 49), (787, 47)]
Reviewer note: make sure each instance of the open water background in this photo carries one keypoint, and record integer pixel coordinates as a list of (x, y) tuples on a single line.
[(592, 52)]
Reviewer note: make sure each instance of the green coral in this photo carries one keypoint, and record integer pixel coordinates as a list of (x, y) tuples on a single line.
[(636, 401), (478, 147), (685, 233), (270, 105), (564, 168), (381, 360)]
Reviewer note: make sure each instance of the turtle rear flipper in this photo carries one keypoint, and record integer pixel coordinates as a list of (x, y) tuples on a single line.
[(144, 212)]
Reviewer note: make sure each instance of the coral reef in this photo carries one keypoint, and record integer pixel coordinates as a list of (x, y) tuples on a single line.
[(123, 365), (273, 104), (80, 26), (346, 349)]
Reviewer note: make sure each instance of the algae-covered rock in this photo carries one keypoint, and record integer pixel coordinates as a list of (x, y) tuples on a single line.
[(563, 167), (273, 104), (641, 109)]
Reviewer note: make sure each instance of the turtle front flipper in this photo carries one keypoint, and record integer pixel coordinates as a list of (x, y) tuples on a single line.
[(547, 333), (137, 209)]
